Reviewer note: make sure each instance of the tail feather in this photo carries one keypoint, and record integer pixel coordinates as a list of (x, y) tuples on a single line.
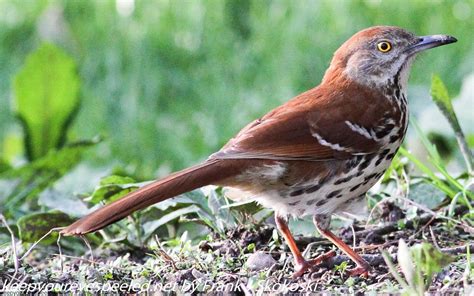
[(183, 181)]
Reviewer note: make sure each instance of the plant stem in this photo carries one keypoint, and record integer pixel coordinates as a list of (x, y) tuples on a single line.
[(393, 270), (438, 182), (465, 151)]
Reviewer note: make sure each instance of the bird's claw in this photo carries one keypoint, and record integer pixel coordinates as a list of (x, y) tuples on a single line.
[(303, 265), (360, 270)]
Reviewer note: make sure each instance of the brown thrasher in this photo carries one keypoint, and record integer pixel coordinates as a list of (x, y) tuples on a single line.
[(314, 155)]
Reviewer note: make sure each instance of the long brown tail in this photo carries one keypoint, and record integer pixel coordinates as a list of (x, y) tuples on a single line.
[(183, 181)]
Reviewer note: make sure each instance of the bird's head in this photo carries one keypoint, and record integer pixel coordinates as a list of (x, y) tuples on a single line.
[(378, 55)]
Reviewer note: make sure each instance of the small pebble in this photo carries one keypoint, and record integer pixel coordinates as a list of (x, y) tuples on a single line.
[(259, 261), (197, 274)]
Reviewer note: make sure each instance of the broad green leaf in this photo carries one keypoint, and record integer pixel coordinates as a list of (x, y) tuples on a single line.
[(110, 193), (196, 197), (429, 260), (214, 202), (4, 230), (33, 227), (173, 202), (248, 207), (112, 188), (46, 98), (35, 177), (114, 179), (150, 227), (426, 194)]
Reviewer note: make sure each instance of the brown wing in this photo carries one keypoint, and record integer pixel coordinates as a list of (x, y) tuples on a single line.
[(316, 125)]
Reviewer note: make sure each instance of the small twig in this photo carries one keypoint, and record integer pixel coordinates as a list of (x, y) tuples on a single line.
[(419, 206), (12, 237), (60, 252), (305, 240), (88, 246), (393, 226), (423, 227), (438, 215), (458, 250), (423, 219), (165, 255), (38, 241), (465, 151), (433, 238), (386, 198), (467, 270), (377, 259), (393, 270), (376, 246), (372, 259), (354, 241)]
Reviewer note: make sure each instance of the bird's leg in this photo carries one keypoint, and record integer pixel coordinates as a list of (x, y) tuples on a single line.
[(301, 264), (322, 225)]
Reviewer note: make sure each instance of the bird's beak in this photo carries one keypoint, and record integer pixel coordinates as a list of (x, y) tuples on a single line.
[(431, 41)]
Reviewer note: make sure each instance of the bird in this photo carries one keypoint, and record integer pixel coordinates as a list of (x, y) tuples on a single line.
[(315, 155)]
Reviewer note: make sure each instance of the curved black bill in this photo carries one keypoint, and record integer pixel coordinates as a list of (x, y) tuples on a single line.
[(431, 41)]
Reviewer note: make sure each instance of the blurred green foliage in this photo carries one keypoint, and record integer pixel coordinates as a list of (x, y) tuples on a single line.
[(20, 187), (46, 99), (168, 82)]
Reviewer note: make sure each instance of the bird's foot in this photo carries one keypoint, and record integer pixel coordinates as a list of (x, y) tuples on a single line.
[(360, 270), (302, 265)]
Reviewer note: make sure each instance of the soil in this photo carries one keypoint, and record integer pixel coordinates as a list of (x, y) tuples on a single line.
[(250, 259)]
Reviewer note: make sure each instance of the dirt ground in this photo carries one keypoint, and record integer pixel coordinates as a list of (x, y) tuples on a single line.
[(248, 260)]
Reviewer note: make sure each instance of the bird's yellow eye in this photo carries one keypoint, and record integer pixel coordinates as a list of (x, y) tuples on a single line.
[(384, 46)]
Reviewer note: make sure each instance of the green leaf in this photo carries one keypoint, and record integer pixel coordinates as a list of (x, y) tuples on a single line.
[(150, 227), (173, 202), (110, 193), (440, 96), (248, 207), (114, 179), (4, 230), (46, 98), (35, 226), (33, 178), (112, 188), (429, 260), (426, 194), (196, 197)]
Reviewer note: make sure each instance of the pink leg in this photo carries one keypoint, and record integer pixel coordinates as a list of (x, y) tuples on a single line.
[(322, 224), (301, 265)]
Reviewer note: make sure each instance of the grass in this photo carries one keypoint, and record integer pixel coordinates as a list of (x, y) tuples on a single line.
[(221, 262), (209, 68), (236, 250)]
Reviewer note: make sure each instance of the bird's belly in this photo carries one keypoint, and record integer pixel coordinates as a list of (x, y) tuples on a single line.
[(323, 195)]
